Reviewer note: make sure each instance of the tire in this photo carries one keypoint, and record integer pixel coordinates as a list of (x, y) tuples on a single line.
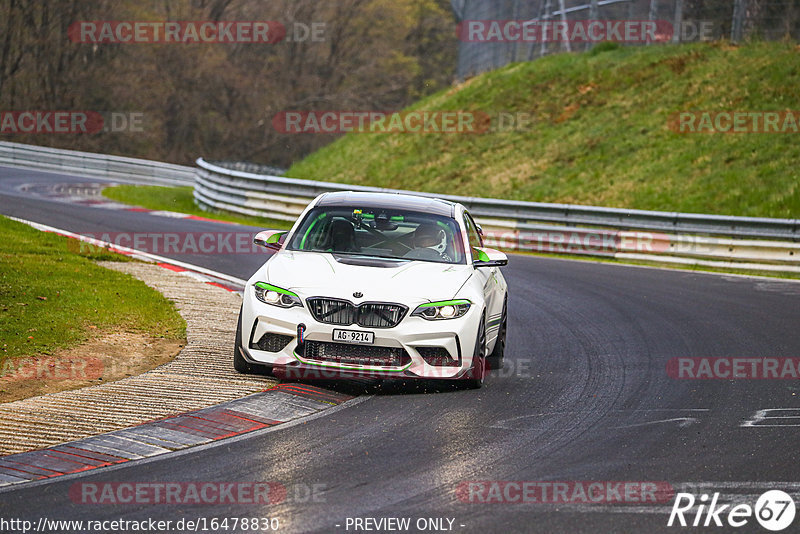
[(478, 370), (499, 351), (239, 363)]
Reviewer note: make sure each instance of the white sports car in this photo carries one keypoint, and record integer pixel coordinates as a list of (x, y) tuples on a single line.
[(375, 285)]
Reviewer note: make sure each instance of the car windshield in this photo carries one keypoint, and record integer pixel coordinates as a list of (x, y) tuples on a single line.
[(380, 233)]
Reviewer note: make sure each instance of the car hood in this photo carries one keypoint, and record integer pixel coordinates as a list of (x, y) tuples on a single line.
[(321, 274)]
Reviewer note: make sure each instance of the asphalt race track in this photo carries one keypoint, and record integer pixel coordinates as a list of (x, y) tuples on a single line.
[(584, 396)]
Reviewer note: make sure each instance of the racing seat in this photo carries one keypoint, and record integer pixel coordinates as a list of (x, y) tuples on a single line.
[(342, 236)]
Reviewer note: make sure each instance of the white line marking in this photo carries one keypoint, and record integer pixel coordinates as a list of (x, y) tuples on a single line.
[(504, 423), (683, 422)]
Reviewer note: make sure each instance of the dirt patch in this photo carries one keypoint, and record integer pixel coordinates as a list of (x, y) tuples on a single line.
[(107, 357)]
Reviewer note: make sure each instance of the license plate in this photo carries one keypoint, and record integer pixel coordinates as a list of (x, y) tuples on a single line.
[(354, 336)]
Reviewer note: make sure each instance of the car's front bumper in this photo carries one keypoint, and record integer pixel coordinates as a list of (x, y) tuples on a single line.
[(409, 337)]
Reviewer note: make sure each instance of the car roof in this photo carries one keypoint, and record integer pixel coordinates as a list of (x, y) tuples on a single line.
[(433, 206)]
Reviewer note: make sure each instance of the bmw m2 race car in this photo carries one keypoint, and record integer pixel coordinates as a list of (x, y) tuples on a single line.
[(375, 285)]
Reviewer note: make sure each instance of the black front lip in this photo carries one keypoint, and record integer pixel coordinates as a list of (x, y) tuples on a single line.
[(302, 371)]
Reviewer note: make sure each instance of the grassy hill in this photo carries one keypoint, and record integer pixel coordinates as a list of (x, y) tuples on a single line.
[(600, 134)]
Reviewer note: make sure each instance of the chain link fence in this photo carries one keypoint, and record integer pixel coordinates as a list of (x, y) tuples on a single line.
[(688, 20)]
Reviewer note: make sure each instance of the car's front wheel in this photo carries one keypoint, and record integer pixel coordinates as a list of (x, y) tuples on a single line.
[(477, 373)]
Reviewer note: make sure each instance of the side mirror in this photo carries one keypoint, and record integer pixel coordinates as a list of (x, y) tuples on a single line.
[(271, 239), (488, 257)]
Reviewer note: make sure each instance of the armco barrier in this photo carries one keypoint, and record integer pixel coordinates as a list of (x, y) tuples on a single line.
[(138, 171), (712, 240)]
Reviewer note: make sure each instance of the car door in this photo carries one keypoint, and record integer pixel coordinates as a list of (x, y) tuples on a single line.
[(487, 276)]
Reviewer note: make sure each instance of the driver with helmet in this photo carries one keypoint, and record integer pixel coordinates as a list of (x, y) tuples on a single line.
[(429, 241)]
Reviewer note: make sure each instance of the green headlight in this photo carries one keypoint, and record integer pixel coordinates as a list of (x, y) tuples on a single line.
[(276, 296), (445, 309)]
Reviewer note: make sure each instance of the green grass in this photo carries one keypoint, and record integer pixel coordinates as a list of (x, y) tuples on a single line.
[(180, 200), (53, 297), (600, 134)]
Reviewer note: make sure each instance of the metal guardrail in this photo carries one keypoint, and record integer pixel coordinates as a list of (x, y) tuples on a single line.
[(713, 240), (248, 189), (139, 171)]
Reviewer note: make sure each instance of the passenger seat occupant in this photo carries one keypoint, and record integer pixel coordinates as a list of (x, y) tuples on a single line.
[(425, 238), (342, 236)]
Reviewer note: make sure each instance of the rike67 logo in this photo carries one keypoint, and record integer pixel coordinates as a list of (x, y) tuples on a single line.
[(774, 510)]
